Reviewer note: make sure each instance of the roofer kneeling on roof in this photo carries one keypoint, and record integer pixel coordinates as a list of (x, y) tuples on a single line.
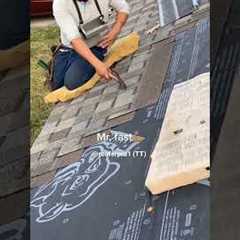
[(85, 38)]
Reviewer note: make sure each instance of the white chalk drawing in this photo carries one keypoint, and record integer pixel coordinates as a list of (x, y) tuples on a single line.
[(13, 231), (75, 184)]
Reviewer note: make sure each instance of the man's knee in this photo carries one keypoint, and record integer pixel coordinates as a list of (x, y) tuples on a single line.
[(77, 76), (71, 85), (75, 79)]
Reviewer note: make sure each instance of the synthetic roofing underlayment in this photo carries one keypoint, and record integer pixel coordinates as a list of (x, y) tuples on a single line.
[(75, 193), (171, 10)]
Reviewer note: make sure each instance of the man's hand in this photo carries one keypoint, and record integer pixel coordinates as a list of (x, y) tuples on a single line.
[(108, 39), (104, 71)]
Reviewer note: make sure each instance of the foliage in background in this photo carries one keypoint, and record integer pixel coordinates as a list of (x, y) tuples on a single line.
[(41, 41)]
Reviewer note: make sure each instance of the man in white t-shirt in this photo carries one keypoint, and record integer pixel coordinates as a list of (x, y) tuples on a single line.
[(77, 61)]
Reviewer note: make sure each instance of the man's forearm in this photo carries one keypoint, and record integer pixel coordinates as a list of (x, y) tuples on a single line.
[(83, 50), (121, 20)]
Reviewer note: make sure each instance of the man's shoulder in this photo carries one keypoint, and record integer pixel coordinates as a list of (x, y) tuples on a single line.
[(60, 4), (57, 2)]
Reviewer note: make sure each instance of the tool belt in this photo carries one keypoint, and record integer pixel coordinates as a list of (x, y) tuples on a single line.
[(49, 67)]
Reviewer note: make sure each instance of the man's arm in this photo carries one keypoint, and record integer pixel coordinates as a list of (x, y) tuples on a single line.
[(108, 39), (122, 8)]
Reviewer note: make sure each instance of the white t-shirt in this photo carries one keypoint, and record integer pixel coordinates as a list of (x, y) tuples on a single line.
[(67, 18)]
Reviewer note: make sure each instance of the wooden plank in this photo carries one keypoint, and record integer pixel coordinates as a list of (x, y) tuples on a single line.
[(181, 155)]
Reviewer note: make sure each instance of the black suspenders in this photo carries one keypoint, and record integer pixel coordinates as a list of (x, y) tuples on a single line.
[(99, 9), (78, 11), (80, 15)]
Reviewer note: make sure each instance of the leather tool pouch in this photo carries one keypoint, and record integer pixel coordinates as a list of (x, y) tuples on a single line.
[(50, 68)]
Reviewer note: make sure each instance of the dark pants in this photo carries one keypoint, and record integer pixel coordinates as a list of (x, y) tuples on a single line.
[(71, 70)]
